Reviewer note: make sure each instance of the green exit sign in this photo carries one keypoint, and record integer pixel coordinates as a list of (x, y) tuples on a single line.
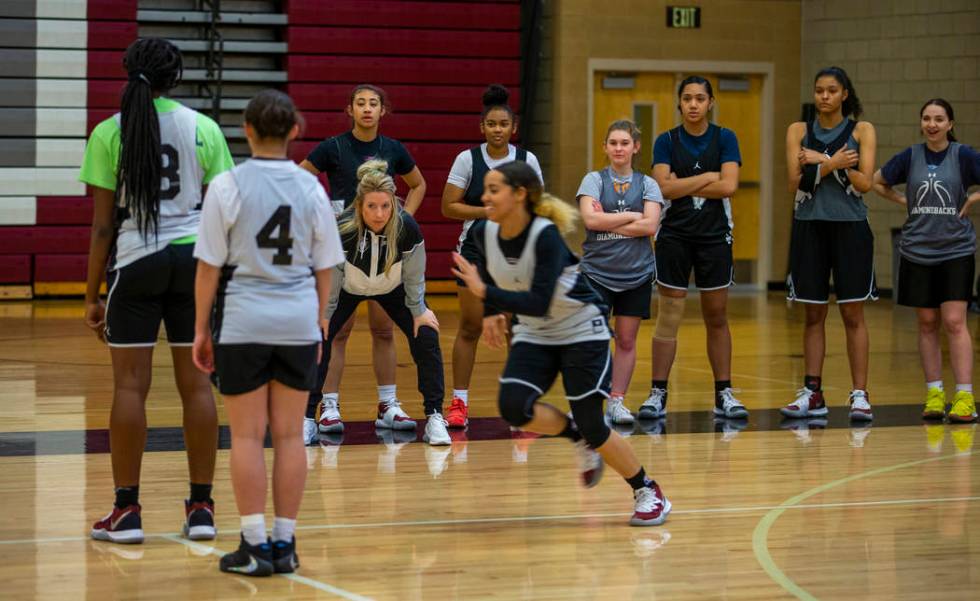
[(684, 17)]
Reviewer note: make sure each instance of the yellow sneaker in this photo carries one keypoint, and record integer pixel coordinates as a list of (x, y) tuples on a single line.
[(935, 404), (964, 410)]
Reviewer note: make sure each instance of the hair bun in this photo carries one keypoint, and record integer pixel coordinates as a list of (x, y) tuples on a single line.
[(374, 166), (495, 95)]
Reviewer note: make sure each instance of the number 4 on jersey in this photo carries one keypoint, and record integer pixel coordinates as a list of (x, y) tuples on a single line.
[(282, 242)]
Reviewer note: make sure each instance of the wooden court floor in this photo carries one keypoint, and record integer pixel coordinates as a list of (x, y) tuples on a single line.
[(810, 509)]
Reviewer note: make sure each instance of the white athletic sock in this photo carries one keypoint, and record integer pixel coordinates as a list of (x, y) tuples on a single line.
[(463, 395), (934, 384), (964, 388), (253, 528), (283, 529), (386, 393), (332, 396)]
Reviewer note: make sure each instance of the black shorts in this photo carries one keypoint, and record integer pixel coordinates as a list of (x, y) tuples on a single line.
[(634, 302), (585, 367), (821, 248), (929, 286), (712, 263), (241, 368), (158, 287)]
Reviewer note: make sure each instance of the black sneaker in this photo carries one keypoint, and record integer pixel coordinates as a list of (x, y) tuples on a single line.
[(249, 560), (199, 520), (284, 557)]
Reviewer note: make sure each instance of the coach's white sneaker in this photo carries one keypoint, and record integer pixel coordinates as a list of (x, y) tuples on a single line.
[(391, 416), (330, 422), (436, 433), (309, 431), (655, 406), (617, 412)]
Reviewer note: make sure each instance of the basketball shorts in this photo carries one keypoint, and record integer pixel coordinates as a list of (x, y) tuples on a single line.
[(929, 286), (821, 249), (241, 368), (634, 302), (712, 263), (585, 367)]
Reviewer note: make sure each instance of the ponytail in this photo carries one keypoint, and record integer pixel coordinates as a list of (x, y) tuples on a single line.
[(518, 174), (154, 66)]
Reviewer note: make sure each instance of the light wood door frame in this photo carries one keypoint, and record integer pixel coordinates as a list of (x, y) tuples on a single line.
[(763, 265)]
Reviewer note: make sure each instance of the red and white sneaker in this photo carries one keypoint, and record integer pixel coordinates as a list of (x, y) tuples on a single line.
[(199, 520), (651, 506), (392, 417), (590, 464), (330, 422), (808, 403), (121, 526), (457, 416), (860, 406)]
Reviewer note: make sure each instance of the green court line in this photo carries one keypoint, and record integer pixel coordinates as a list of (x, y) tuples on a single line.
[(760, 536)]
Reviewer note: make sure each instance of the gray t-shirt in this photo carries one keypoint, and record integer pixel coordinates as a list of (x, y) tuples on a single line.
[(618, 262), (934, 232), (833, 199)]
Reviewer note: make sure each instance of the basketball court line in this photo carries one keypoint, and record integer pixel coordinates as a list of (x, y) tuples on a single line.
[(760, 535), (545, 518)]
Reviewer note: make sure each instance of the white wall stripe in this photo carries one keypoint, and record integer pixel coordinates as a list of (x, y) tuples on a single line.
[(61, 63), (45, 181), (53, 33), (18, 210), (62, 93), (59, 152), (61, 122), (62, 9)]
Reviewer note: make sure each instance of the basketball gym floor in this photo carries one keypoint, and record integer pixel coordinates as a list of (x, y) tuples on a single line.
[(771, 509)]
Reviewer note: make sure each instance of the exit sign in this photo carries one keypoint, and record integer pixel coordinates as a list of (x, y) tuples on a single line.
[(685, 17)]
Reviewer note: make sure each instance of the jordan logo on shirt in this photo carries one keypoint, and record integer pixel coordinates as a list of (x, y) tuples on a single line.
[(697, 165), (932, 197)]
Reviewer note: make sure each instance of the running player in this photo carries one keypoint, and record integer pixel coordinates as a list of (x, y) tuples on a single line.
[(147, 166), (938, 242), (339, 157), (621, 210), (696, 165), (461, 200), (267, 243), (385, 262), (516, 261), (831, 162)]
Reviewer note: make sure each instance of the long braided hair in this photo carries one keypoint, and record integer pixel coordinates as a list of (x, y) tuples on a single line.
[(154, 65)]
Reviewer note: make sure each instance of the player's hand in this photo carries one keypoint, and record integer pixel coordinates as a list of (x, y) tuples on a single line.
[(844, 158), (495, 331), (969, 202), (808, 156), (426, 319), (95, 318), (470, 275), (203, 352)]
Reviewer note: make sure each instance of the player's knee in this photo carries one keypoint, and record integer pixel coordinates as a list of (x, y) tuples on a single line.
[(471, 331), (516, 404), (716, 319), (852, 315), (382, 333), (590, 420), (670, 312), (816, 314)]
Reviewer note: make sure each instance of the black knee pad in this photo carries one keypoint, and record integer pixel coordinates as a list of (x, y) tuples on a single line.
[(590, 420), (516, 403)]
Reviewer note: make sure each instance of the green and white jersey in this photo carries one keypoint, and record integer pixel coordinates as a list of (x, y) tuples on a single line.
[(193, 152)]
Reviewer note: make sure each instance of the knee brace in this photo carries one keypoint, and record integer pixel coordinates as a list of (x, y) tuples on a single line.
[(516, 403), (670, 312), (589, 420)]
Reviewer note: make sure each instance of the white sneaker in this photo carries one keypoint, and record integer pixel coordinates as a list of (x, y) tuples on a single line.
[(655, 406), (590, 464), (436, 433), (437, 458), (330, 422), (726, 405), (860, 407), (617, 412), (309, 431), (391, 416), (808, 403)]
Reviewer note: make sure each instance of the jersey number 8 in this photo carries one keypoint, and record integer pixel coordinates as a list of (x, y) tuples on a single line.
[(282, 242)]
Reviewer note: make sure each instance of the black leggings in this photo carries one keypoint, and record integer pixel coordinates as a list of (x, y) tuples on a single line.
[(424, 347)]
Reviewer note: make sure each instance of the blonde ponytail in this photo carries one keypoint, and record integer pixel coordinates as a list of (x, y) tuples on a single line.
[(372, 176), (557, 211)]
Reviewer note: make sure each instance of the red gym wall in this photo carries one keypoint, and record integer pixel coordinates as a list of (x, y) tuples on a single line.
[(434, 58)]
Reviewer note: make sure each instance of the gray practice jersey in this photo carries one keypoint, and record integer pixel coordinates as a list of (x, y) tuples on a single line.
[(269, 224), (934, 232), (572, 315), (618, 262), (834, 198)]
